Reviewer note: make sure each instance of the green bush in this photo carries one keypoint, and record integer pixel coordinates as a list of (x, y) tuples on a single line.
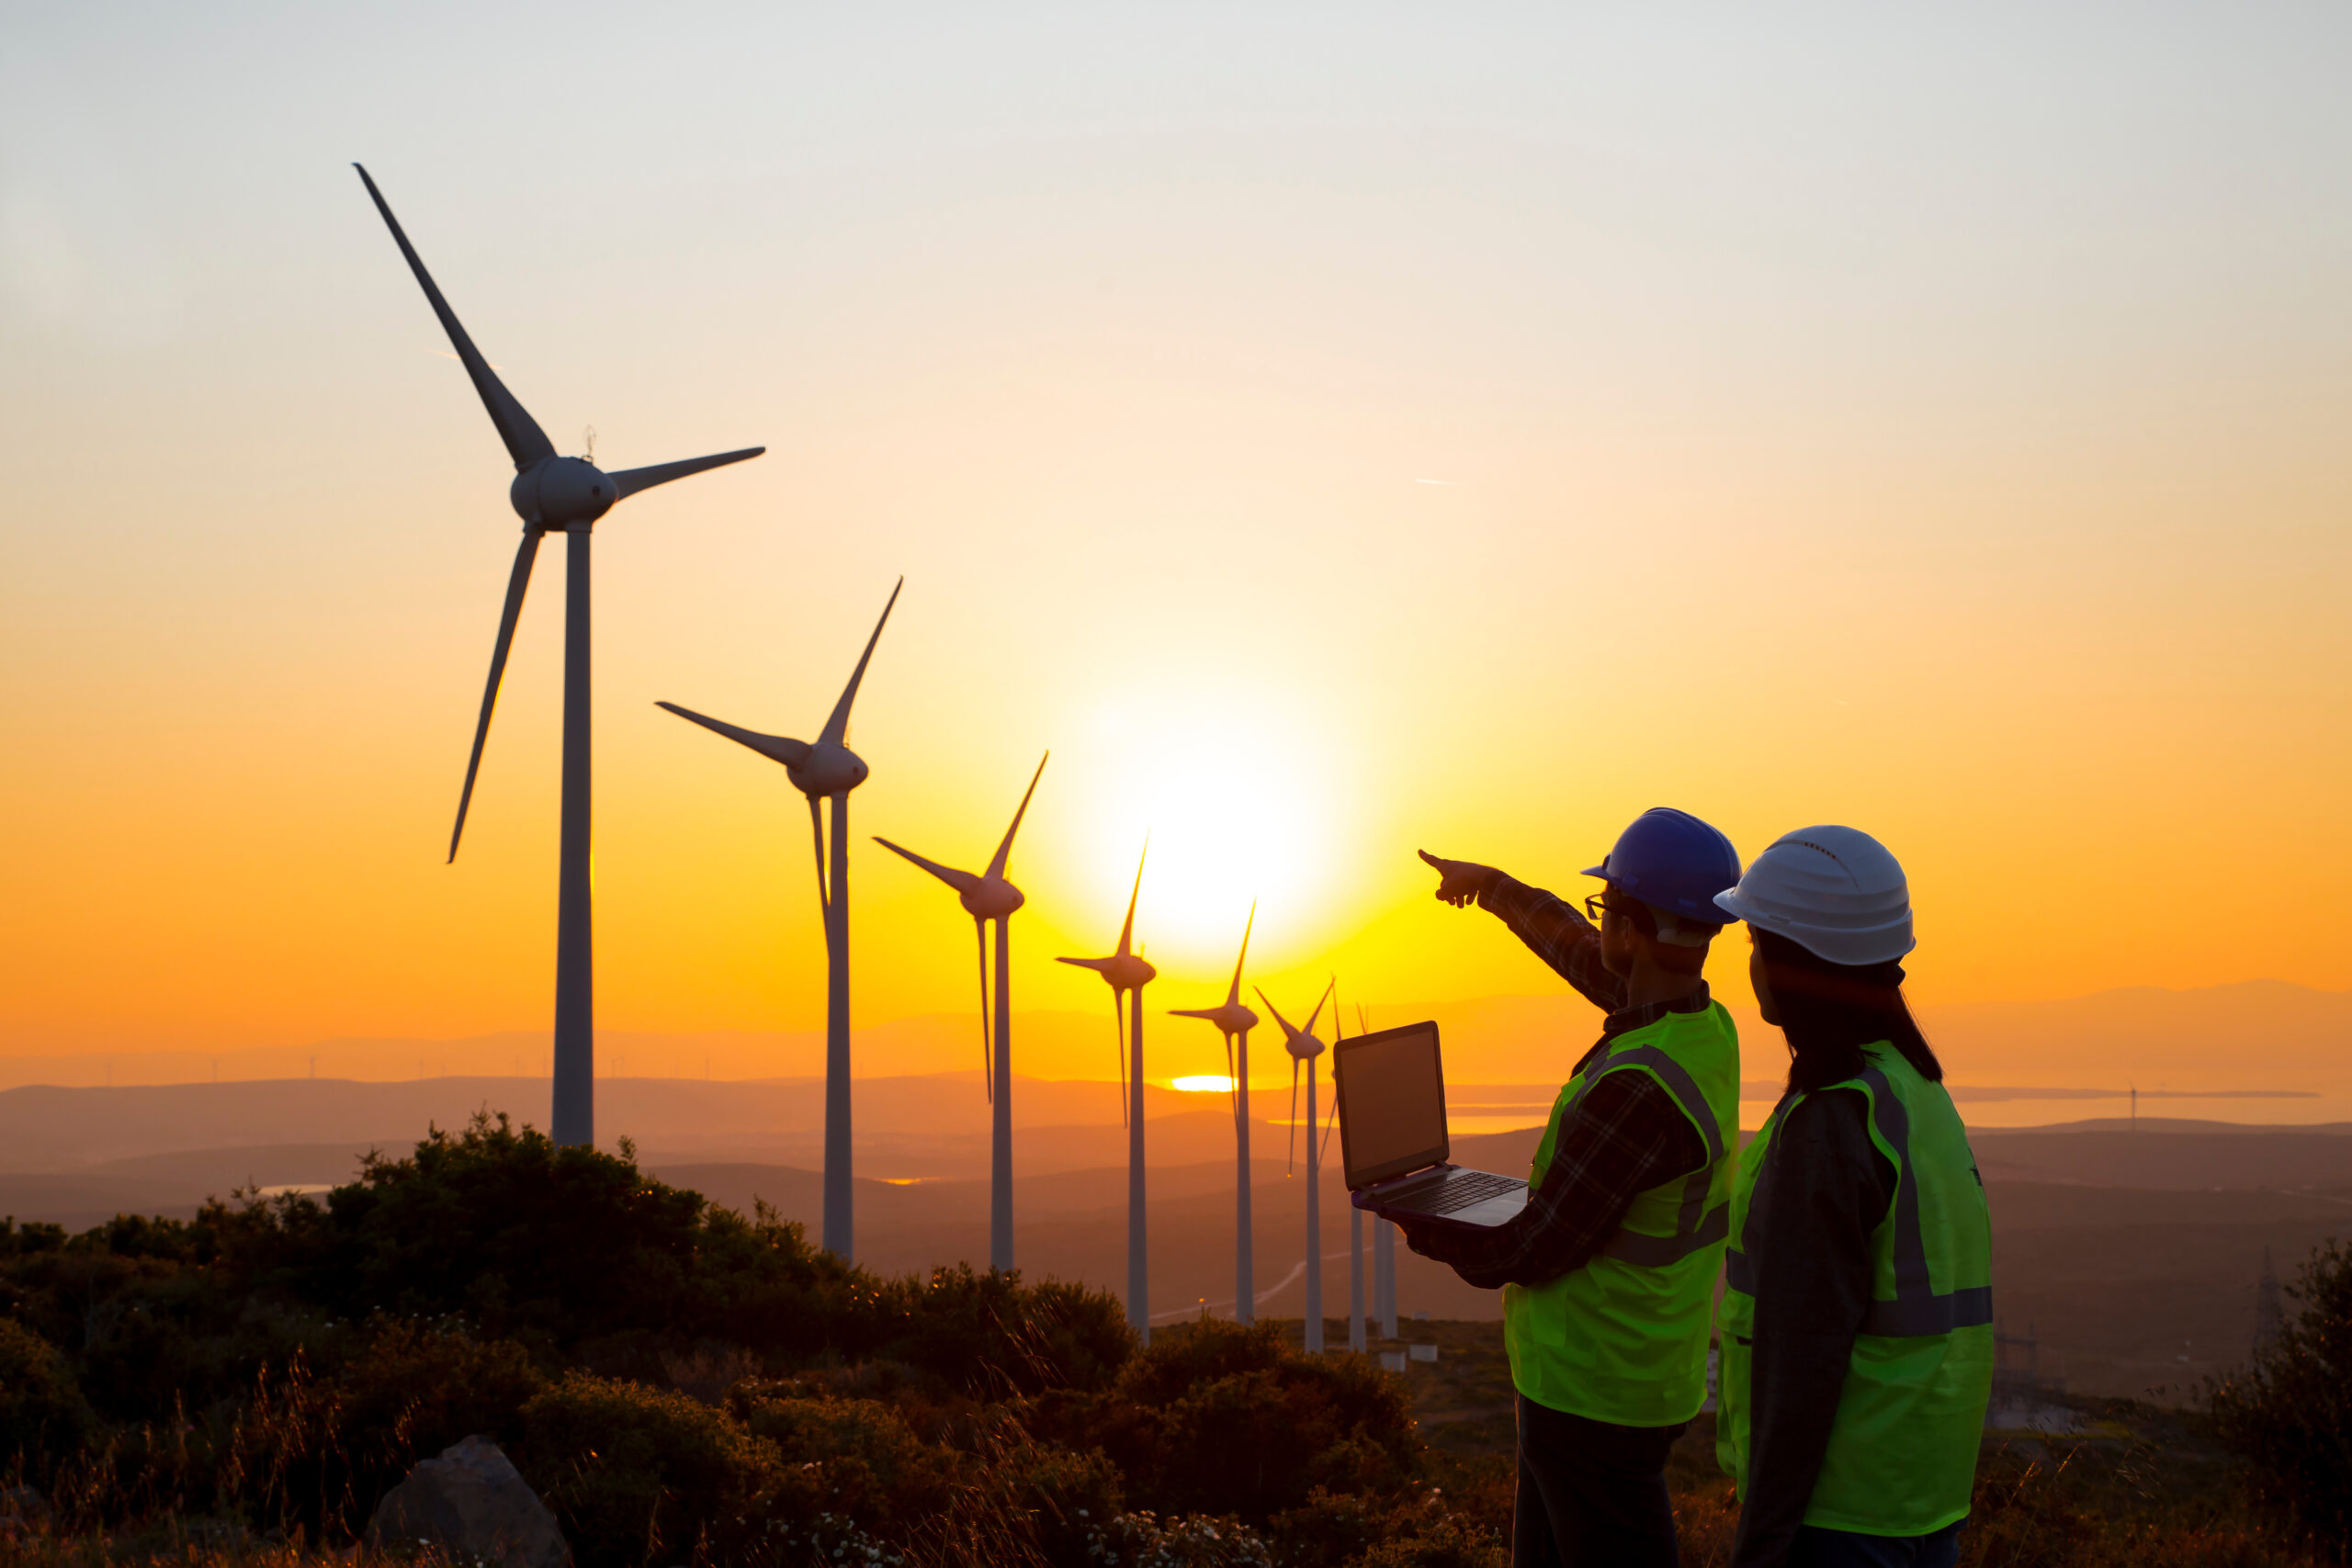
[(2290, 1411)]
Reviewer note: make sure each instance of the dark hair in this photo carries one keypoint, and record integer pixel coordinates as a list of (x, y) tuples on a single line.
[(1830, 1012)]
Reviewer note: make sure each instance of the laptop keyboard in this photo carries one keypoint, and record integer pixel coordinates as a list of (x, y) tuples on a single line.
[(1458, 1192)]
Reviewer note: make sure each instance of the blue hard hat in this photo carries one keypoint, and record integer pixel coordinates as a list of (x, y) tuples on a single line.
[(1671, 861)]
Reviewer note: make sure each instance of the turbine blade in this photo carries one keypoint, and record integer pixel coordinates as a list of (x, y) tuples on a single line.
[(628, 481), (962, 881), (817, 834), (774, 748), (1209, 1013), (1119, 1020), (525, 442), (988, 1061), (1097, 964), (1129, 930), (1319, 1003), (1290, 1158), (1004, 849), (1287, 1029), (517, 581), (1233, 992), (837, 727)]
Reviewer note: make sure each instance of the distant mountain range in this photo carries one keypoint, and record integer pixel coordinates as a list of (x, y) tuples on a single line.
[(2261, 1036)]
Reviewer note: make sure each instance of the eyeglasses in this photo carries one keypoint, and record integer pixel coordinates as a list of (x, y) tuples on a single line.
[(1596, 909)]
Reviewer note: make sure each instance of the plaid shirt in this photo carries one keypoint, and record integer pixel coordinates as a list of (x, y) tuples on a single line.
[(1627, 1136)]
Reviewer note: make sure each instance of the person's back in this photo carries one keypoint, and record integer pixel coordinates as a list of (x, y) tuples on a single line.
[(1857, 1313)]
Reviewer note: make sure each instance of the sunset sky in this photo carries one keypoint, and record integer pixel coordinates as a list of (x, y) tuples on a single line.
[(1331, 430)]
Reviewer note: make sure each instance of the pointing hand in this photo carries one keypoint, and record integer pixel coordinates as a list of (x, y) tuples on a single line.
[(1460, 881)]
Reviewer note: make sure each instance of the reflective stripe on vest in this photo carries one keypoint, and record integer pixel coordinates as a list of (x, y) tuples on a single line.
[(1696, 1226), (1901, 1450), (1623, 1337), (1917, 1308)]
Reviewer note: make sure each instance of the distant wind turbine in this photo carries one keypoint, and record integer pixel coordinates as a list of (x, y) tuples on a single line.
[(1383, 1246), (826, 769), (1125, 971), (985, 898), (1235, 1021), (1304, 1047), (1356, 1341), (552, 495)]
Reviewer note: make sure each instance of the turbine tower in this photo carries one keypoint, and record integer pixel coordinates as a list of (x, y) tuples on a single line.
[(826, 769), (985, 898), (1304, 1048), (1235, 1021), (1125, 971), (1356, 1341), (552, 495)]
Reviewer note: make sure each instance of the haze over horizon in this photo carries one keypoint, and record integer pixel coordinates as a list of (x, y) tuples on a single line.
[(1815, 445)]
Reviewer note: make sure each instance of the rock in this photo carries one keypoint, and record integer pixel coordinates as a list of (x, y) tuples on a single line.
[(472, 1503)]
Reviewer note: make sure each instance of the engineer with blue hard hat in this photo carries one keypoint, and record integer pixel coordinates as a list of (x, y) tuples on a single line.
[(1609, 1274)]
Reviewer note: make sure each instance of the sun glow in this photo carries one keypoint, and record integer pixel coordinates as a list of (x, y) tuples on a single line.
[(1236, 810), (1203, 1083)]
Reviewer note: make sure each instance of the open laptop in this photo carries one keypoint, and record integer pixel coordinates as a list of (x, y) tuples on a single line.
[(1393, 1139)]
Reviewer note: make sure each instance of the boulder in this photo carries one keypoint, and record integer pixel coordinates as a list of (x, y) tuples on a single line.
[(472, 1503)]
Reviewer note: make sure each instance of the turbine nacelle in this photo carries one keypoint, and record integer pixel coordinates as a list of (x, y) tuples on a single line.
[(1230, 1019), (556, 494), (1122, 971), (1302, 1046), (991, 899), (828, 768)]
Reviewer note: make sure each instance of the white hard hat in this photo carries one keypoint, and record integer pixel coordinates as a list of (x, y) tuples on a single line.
[(1835, 892)]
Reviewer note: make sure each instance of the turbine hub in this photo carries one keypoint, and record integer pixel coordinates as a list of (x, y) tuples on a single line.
[(1303, 1047), (993, 899), (829, 770), (558, 493)]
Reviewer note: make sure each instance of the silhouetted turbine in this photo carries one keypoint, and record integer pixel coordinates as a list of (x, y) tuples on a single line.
[(988, 897), (552, 495), (826, 769), (1304, 1048), (1235, 1021), (1126, 971)]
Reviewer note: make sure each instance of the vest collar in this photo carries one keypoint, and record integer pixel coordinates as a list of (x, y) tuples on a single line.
[(1624, 1021)]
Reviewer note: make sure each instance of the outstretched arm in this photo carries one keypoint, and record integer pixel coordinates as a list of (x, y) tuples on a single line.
[(1552, 929)]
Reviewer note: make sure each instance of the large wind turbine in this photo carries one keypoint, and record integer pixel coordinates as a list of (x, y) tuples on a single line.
[(1235, 1021), (1304, 1048), (552, 495), (988, 897), (1125, 971), (826, 769)]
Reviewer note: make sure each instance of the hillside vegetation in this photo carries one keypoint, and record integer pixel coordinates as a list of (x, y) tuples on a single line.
[(686, 1384)]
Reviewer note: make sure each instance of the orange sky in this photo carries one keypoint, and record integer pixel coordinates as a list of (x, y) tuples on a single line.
[(1935, 424)]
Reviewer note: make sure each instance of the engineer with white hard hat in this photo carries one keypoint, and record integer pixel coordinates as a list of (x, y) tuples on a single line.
[(1609, 1274), (1856, 1319)]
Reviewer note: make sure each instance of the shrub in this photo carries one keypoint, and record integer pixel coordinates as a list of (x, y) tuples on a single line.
[(638, 1474), (2290, 1411), (1217, 1418), (43, 1414)]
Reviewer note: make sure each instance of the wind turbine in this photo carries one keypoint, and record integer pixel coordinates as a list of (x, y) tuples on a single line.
[(1383, 1246), (1304, 1048), (552, 495), (1125, 971), (985, 898), (826, 769), (1356, 1341), (1235, 1021)]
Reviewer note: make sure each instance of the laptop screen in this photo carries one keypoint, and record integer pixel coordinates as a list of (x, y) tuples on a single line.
[(1392, 1103)]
